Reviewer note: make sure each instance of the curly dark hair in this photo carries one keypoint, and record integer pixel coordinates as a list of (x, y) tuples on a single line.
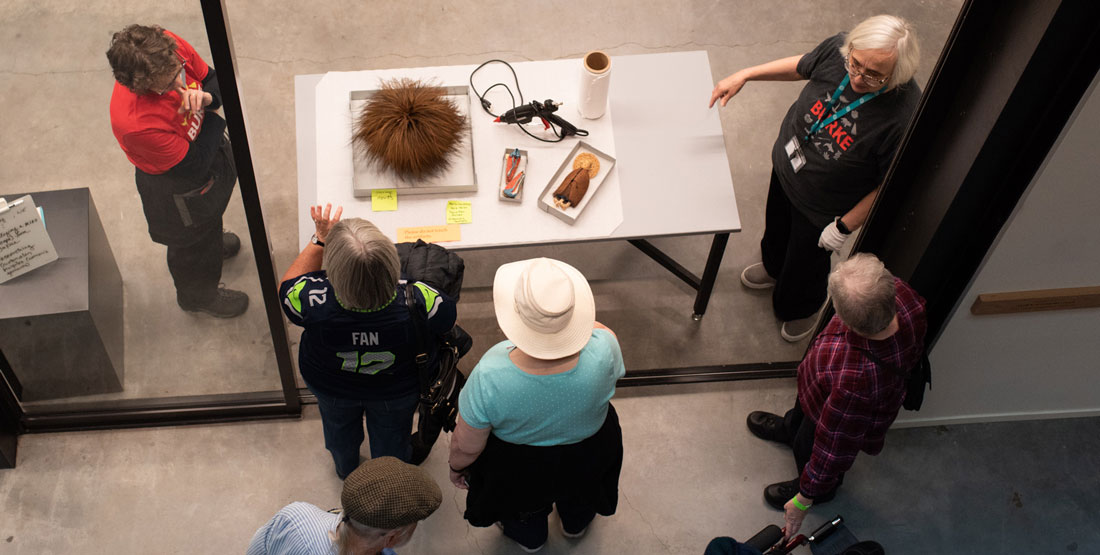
[(410, 129), (141, 55)]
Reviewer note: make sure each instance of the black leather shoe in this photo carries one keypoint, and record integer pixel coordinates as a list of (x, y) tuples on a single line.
[(231, 244), (778, 494), (228, 303), (766, 425)]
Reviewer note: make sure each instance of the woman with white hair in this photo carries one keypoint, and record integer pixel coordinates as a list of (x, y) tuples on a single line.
[(833, 149), (358, 348), (536, 429)]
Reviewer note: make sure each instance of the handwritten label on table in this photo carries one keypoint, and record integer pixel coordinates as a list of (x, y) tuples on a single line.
[(24, 243), (460, 212), (429, 233), (383, 200)]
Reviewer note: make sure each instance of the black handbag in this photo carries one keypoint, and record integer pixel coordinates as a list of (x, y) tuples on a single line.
[(440, 383)]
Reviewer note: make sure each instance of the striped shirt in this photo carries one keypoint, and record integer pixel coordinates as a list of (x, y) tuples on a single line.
[(298, 529), (849, 398)]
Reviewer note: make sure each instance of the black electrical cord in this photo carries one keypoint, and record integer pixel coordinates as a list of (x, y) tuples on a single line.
[(487, 106)]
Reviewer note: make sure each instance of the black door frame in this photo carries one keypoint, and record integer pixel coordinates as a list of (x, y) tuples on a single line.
[(938, 246), (10, 414)]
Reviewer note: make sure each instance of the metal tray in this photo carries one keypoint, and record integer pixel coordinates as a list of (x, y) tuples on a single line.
[(570, 215), (461, 176)]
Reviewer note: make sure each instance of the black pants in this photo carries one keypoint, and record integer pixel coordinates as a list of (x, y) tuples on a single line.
[(791, 256), (532, 530), (190, 224), (196, 268), (799, 432)]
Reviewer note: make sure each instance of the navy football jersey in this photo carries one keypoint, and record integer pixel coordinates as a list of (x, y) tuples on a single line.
[(359, 354)]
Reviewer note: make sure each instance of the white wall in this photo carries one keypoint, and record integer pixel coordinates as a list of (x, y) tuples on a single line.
[(1037, 364)]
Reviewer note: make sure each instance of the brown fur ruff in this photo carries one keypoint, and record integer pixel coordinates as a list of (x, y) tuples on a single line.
[(410, 129)]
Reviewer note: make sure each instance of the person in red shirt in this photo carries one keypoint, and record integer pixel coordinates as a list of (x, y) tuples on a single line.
[(163, 116), (846, 400)]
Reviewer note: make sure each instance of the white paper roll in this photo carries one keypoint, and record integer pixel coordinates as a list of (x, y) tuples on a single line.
[(595, 81)]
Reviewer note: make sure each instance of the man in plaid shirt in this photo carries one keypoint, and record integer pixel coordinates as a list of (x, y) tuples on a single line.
[(846, 401)]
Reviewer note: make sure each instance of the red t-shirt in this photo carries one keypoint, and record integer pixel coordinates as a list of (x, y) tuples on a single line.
[(149, 127)]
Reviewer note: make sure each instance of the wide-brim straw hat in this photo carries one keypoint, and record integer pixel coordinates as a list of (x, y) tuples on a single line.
[(544, 306)]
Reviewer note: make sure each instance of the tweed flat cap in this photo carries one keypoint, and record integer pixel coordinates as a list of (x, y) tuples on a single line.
[(386, 493)]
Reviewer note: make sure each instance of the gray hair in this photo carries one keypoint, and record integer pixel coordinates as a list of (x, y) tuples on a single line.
[(863, 293), (361, 263), (349, 538), (887, 32)]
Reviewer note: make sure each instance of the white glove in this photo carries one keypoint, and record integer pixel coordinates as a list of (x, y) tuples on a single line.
[(831, 238)]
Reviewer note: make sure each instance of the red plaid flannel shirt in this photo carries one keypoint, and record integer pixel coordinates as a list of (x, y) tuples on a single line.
[(852, 400)]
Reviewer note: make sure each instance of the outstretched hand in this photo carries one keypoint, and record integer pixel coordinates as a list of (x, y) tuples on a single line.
[(324, 219), (726, 89)]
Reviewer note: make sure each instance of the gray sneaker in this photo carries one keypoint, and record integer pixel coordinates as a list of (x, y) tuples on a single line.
[(228, 303), (797, 330), (756, 277)]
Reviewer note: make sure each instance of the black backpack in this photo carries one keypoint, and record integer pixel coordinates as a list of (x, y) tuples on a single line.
[(915, 378)]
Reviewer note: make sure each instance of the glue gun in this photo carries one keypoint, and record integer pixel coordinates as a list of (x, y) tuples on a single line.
[(542, 110)]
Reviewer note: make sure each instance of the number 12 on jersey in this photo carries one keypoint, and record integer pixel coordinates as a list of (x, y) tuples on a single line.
[(365, 362)]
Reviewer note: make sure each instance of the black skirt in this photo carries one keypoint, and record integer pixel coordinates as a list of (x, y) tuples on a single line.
[(509, 481)]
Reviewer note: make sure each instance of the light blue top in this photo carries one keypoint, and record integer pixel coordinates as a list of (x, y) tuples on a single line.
[(557, 409), (298, 529)]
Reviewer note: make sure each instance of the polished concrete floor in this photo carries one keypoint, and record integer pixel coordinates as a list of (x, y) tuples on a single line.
[(691, 472), (58, 136)]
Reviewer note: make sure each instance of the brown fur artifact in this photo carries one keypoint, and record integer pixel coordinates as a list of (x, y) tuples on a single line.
[(409, 128)]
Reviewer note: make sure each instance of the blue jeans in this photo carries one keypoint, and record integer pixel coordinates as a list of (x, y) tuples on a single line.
[(389, 425)]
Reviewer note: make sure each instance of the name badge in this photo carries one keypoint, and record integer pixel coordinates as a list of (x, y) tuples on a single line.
[(794, 154)]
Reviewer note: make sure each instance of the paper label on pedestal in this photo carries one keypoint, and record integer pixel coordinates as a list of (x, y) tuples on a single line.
[(430, 233), (24, 243)]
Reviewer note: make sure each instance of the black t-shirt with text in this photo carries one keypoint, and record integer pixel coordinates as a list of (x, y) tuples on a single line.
[(848, 158)]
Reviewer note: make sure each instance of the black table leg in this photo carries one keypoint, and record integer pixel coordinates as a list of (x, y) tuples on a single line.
[(714, 261)]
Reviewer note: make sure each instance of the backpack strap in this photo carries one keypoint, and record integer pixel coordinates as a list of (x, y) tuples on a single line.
[(422, 335), (882, 363)]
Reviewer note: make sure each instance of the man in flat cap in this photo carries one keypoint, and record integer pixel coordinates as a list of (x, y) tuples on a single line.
[(383, 500)]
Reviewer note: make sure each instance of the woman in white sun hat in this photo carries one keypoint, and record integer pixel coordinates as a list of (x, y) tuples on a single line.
[(536, 428)]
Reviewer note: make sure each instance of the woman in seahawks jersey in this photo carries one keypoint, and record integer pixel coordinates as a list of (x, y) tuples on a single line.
[(356, 355)]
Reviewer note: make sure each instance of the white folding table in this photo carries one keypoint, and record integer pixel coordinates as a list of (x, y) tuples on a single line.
[(671, 177)]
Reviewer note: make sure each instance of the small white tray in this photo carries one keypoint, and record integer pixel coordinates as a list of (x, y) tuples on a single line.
[(504, 179), (570, 215)]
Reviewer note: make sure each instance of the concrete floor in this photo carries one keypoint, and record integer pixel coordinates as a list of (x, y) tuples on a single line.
[(58, 136), (691, 472)]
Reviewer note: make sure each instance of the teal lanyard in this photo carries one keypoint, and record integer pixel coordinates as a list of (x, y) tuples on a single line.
[(843, 111)]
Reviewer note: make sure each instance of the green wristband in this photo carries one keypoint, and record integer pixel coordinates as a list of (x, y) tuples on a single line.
[(800, 506)]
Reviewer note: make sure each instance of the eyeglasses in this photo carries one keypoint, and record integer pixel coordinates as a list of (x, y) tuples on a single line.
[(181, 77), (856, 69)]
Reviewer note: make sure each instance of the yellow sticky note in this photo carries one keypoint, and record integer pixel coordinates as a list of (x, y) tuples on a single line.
[(383, 200), (430, 233), (460, 212)]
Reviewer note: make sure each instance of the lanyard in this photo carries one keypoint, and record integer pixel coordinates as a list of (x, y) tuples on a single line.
[(843, 111)]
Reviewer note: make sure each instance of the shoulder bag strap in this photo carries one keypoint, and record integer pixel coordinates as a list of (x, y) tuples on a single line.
[(416, 314)]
